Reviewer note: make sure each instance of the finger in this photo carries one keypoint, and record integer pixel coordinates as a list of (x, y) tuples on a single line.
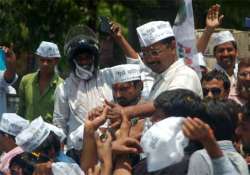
[(129, 150), (115, 125), (137, 136), (188, 124), (221, 18), (125, 125), (186, 131), (109, 137), (100, 119), (131, 142), (90, 172), (97, 170), (109, 103)]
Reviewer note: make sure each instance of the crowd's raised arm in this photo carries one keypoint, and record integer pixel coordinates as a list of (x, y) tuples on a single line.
[(153, 115)]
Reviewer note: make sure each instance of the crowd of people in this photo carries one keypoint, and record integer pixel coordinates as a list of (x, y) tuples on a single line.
[(153, 115)]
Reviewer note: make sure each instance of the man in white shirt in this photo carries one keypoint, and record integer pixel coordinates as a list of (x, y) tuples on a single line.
[(225, 52), (158, 45)]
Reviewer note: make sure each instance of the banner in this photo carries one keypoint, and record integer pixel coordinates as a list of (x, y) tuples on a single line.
[(185, 34)]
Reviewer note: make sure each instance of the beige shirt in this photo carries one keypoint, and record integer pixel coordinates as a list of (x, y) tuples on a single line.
[(177, 76)]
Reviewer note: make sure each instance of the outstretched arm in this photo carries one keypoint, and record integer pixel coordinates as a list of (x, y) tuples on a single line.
[(121, 40), (213, 20)]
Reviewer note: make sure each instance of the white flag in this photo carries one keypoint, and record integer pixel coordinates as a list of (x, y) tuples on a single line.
[(185, 34)]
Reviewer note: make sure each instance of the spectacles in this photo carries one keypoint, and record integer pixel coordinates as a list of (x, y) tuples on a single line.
[(215, 91), (153, 52), (244, 74)]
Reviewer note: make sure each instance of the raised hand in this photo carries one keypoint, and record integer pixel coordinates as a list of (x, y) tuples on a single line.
[(213, 19), (96, 118), (195, 129), (116, 30)]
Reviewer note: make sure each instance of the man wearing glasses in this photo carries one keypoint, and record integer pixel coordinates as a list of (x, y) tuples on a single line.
[(215, 84), (158, 45), (241, 93)]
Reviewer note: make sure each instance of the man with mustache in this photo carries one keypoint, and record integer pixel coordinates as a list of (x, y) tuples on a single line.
[(127, 84), (225, 52), (159, 53)]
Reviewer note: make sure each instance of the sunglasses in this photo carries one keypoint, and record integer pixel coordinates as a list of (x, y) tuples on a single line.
[(215, 91)]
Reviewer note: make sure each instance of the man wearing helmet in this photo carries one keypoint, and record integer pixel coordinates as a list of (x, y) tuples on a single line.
[(86, 87)]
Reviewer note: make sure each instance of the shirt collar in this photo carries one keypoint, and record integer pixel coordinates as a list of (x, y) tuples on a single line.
[(218, 67), (52, 82), (226, 145)]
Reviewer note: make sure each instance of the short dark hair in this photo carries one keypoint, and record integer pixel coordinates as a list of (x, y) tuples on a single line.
[(167, 41), (52, 141), (244, 61), (179, 102), (246, 111), (233, 43), (222, 117), (218, 75)]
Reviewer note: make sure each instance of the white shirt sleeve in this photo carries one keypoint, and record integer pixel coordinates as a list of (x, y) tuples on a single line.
[(223, 166), (61, 109)]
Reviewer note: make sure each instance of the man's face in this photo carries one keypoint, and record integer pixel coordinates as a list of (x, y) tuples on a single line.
[(243, 131), (126, 94), (47, 64), (243, 84), (159, 57), (214, 89), (85, 60), (225, 55)]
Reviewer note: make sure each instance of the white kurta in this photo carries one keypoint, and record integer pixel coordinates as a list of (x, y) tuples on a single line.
[(75, 98), (177, 76)]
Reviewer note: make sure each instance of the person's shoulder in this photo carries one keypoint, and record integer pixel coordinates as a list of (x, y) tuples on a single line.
[(59, 79), (199, 155), (29, 77)]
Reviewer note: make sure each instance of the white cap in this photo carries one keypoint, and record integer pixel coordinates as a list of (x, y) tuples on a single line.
[(153, 32), (222, 37), (164, 143), (58, 131), (33, 136), (48, 50), (125, 73), (62, 168), (12, 123), (77, 137)]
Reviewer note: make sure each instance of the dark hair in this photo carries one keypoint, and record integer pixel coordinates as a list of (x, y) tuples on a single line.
[(222, 117), (233, 43), (7, 134), (179, 102), (167, 41), (246, 111), (137, 83), (52, 141), (218, 75), (245, 61), (27, 161)]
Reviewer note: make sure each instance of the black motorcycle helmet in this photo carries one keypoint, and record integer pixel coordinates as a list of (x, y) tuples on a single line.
[(81, 39)]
